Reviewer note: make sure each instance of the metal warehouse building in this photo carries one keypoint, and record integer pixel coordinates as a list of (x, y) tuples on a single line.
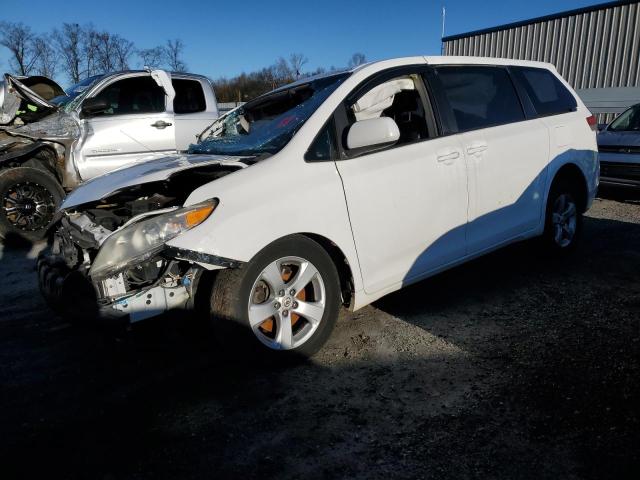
[(597, 49)]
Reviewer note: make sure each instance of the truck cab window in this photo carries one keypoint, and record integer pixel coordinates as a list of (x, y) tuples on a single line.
[(189, 96), (133, 95)]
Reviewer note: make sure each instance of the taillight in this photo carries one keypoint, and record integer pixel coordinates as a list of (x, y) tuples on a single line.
[(593, 122)]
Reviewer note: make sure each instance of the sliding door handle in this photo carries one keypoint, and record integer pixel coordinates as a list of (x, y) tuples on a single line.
[(448, 156), (476, 148)]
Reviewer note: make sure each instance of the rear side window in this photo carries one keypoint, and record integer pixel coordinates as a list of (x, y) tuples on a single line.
[(479, 97), (548, 95), (189, 96), (132, 96)]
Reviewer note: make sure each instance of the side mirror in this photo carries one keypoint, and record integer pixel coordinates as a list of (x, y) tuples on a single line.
[(373, 132), (94, 105)]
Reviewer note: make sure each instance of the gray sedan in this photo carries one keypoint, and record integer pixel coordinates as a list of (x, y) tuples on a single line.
[(619, 147)]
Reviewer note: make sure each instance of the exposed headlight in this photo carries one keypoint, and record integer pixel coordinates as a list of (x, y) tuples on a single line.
[(144, 239)]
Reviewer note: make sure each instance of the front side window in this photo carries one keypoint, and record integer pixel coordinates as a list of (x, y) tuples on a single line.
[(265, 125), (132, 96), (628, 121), (189, 96), (548, 95), (479, 97), (76, 93), (399, 99)]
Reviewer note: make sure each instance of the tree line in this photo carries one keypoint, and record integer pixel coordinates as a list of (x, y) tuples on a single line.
[(246, 86), (81, 51)]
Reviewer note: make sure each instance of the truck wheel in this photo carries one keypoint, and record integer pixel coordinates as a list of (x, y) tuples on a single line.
[(29, 198), (283, 303), (563, 220)]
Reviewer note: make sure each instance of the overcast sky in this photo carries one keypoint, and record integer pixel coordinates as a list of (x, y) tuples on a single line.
[(224, 38)]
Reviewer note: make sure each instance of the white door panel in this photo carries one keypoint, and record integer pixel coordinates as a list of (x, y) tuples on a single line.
[(190, 125), (507, 167), (116, 141), (408, 210)]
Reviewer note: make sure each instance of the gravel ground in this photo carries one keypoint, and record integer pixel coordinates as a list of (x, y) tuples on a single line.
[(512, 366)]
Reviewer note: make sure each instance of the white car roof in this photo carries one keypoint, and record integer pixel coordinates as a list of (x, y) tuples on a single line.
[(448, 60), (453, 60)]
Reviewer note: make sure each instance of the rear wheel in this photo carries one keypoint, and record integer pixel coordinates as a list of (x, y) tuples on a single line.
[(563, 224), (29, 198), (284, 302)]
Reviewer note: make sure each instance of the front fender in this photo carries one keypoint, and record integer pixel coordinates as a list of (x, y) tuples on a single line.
[(275, 198)]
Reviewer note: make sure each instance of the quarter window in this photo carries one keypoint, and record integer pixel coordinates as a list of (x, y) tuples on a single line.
[(133, 95), (324, 146), (479, 97), (189, 96), (548, 95)]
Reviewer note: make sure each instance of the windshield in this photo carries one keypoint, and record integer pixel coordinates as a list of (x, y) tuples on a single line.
[(266, 124), (629, 121), (74, 93)]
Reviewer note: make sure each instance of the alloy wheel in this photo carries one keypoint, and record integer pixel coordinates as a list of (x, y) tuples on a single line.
[(565, 220), (28, 206), (287, 303)]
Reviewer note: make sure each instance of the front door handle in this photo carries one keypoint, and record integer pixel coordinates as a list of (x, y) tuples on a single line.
[(447, 156), (161, 124), (476, 148)]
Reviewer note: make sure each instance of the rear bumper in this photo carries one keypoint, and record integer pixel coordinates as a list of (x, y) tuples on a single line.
[(619, 182), (620, 172)]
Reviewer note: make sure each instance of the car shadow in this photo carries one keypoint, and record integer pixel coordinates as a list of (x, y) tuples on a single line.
[(502, 343)]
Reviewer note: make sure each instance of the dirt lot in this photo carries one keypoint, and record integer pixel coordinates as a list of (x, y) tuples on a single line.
[(510, 367)]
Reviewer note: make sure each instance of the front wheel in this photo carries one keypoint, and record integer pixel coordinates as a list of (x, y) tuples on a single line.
[(563, 223), (285, 300), (29, 198)]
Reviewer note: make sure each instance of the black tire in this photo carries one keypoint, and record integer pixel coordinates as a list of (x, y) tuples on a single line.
[(568, 190), (232, 291), (48, 196)]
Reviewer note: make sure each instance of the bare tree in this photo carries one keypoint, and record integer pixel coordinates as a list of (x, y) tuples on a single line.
[(90, 52), (106, 58), (151, 57), (123, 49), (297, 61), (282, 71), (18, 39), (357, 59), (46, 56), (173, 55), (68, 43)]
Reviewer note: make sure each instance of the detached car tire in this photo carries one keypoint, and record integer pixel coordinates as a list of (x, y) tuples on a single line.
[(29, 198), (283, 303), (563, 219)]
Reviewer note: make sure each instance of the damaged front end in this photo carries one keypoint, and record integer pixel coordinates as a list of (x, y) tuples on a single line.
[(110, 257)]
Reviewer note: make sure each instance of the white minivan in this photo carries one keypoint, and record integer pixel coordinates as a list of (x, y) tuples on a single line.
[(335, 190)]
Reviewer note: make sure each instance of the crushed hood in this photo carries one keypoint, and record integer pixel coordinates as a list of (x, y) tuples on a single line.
[(36, 90), (146, 172)]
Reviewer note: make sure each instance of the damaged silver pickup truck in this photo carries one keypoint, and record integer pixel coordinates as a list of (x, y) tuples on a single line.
[(52, 140)]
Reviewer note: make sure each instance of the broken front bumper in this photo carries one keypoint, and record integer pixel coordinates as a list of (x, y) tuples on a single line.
[(73, 294)]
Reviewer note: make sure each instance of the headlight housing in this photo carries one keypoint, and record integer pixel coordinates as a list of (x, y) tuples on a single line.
[(142, 240)]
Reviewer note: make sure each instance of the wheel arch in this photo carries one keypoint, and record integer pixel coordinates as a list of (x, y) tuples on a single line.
[(571, 173), (341, 263), (37, 155)]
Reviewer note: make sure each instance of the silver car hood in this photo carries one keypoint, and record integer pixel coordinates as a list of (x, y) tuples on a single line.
[(58, 125), (145, 172)]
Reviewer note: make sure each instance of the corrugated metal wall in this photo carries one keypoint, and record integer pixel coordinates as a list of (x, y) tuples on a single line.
[(592, 49)]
